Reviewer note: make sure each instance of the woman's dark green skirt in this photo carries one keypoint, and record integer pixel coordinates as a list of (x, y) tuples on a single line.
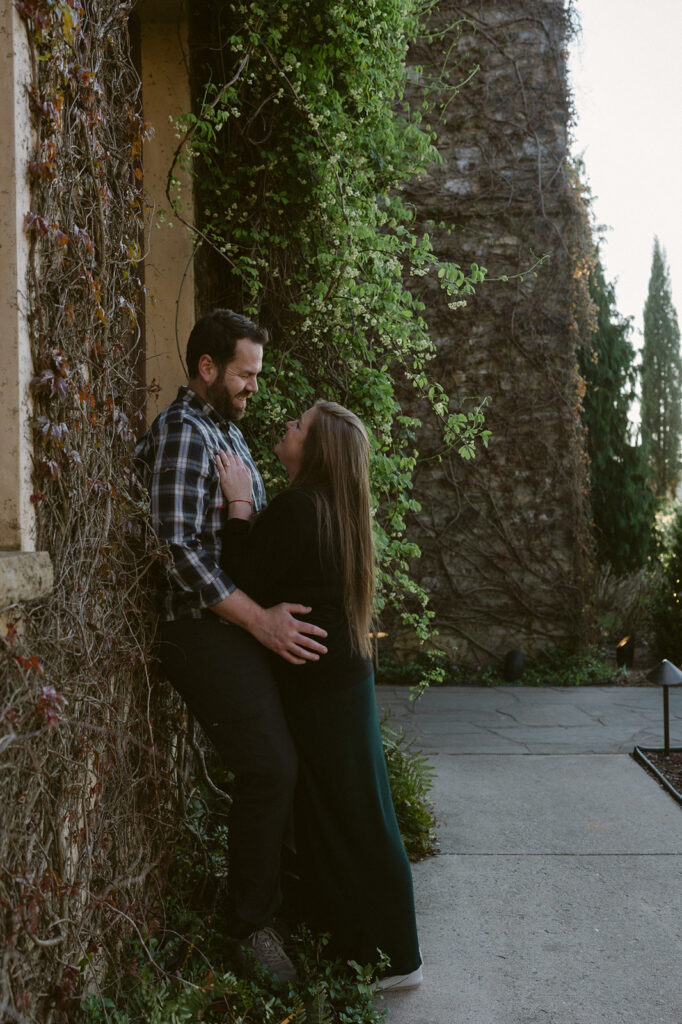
[(355, 875)]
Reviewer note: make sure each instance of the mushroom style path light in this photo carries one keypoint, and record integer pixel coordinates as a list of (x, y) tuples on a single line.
[(666, 675)]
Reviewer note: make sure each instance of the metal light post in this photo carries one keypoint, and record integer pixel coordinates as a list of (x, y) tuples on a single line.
[(666, 675)]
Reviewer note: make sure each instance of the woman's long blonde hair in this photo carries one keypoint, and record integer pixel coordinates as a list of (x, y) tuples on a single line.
[(335, 469)]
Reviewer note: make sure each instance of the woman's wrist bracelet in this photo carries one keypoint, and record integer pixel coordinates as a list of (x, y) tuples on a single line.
[(245, 500)]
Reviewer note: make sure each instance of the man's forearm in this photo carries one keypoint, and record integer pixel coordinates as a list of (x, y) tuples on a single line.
[(241, 610)]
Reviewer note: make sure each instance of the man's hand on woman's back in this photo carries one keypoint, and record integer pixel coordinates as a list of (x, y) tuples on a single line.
[(276, 628), (291, 638)]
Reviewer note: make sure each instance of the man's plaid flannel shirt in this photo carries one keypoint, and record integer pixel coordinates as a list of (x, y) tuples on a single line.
[(177, 458)]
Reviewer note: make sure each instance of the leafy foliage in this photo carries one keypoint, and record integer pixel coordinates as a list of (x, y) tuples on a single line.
[(623, 505), (666, 606), (423, 667), (622, 603), (189, 968), (411, 778), (661, 379), (559, 666), (299, 148), (568, 666), (205, 987)]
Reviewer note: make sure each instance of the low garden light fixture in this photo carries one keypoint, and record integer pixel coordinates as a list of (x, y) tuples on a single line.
[(514, 664), (625, 652), (376, 637), (666, 675)]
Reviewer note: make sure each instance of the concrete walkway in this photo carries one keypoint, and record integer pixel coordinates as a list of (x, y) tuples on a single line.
[(556, 897)]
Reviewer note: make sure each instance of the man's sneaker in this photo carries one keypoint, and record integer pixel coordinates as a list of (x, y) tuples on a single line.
[(266, 946), (399, 981)]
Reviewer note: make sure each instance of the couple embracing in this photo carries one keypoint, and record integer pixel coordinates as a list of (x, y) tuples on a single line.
[(265, 620)]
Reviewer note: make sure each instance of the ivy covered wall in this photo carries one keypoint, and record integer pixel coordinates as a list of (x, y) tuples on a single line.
[(357, 231), (91, 758), (302, 140)]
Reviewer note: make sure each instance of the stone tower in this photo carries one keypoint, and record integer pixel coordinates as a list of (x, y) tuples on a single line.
[(505, 539)]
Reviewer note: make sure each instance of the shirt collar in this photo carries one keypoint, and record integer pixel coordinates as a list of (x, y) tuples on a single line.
[(191, 398)]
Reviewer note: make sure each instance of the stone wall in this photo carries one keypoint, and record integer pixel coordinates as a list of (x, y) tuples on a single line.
[(505, 539)]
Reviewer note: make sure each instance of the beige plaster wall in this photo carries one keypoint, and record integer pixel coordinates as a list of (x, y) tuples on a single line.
[(17, 524), (169, 271)]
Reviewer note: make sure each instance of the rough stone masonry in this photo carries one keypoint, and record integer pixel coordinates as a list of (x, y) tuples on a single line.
[(505, 539)]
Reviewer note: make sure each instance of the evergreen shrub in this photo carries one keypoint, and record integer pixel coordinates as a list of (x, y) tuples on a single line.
[(661, 406), (623, 505), (666, 605)]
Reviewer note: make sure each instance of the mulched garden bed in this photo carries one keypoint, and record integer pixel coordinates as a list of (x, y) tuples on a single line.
[(669, 767)]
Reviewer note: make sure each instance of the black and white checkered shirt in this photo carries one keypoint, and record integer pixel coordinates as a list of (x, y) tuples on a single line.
[(177, 461)]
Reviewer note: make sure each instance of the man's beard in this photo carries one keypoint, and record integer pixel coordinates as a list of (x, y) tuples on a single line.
[(223, 402)]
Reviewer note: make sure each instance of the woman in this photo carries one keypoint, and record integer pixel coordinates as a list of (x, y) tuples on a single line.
[(313, 545)]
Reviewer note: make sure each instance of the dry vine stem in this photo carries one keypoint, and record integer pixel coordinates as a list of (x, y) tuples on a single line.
[(87, 775)]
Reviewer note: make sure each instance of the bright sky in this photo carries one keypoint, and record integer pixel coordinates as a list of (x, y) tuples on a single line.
[(626, 77)]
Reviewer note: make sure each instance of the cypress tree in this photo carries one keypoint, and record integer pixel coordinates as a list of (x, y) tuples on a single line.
[(661, 380), (623, 505)]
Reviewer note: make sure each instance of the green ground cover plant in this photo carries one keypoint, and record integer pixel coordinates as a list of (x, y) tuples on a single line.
[(556, 667), (207, 988), (411, 777)]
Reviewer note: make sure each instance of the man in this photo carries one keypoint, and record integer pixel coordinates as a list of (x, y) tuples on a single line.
[(213, 636)]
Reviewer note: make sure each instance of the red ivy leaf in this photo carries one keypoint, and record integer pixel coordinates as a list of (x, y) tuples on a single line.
[(30, 664), (49, 467), (50, 704), (38, 225), (13, 717), (48, 380)]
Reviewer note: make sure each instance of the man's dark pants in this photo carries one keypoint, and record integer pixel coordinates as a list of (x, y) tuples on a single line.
[(225, 678)]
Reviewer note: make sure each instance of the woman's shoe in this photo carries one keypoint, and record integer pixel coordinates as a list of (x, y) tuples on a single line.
[(399, 981)]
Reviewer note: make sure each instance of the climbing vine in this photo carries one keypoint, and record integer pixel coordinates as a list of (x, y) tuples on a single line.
[(299, 147), (300, 143), (87, 783), (95, 764)]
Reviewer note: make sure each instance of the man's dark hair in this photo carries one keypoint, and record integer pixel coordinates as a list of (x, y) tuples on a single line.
[(216, 335)]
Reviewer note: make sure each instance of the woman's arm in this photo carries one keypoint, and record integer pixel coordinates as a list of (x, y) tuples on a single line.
[(270, 551)]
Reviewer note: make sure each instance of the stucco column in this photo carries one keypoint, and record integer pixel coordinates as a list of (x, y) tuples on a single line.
[(169, 265), (17, 523)]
